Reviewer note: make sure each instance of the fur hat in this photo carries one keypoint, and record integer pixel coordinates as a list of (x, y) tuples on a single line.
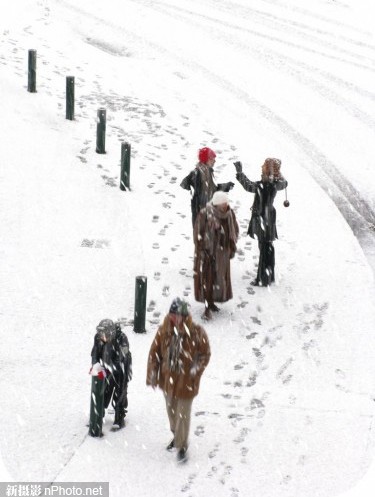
[(272, 162), (220, 198), (205, 154), (179, 306)]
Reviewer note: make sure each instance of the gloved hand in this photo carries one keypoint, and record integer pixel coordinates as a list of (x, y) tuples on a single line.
[(238, 166), (230, 184)]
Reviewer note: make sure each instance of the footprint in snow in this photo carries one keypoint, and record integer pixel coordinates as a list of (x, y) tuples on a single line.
[(187, 485), (199, 430), (214, 451), (287, 379), (242, 304), (252, 379), (240, 366), (242, 435), (151, 306)]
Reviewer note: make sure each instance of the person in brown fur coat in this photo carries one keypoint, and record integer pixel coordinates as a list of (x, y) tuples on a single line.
[(215, 238), (178, 356)]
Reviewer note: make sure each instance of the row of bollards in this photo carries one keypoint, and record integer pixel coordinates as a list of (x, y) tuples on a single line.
[(98, 382), (101, 120)]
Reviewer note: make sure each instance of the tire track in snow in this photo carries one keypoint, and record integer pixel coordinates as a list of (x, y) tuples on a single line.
[(286, 23), (301, 71), (163, 8), (315, 15)]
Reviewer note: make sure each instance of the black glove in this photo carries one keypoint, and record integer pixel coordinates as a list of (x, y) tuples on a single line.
[(238, 166), (230, 184)]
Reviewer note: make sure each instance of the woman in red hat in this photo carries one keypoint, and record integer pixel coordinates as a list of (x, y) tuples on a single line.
[(202, 181)]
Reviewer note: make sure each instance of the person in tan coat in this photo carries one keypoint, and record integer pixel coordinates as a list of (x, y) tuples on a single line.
[(178, 356)]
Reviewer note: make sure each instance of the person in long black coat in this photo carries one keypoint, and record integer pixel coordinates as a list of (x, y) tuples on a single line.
[(262, 224), (111, 350), (201, 182)]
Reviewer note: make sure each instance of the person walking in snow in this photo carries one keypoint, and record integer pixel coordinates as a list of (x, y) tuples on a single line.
[(201, 181), (179, 353), (262, 224), (111, 350), (215, 239)]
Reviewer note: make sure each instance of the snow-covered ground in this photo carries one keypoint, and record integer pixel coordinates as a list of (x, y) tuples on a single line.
[(286, 405)]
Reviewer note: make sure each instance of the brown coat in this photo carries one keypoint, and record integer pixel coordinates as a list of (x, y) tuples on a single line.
[(194, 358), (215, 238)]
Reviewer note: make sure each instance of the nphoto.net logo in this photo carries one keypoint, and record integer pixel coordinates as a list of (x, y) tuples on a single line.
[(66, 489)]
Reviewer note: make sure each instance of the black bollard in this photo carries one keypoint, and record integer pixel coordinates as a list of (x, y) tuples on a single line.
[(125, 166), (140, 304), (69, 114), (31, 82), (100, 131), (97, 406)]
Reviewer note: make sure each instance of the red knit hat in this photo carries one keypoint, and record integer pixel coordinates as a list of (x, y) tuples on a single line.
[(205, 154)]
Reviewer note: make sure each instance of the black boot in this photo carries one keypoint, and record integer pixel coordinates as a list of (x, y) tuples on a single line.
[(182, 455), (119, 421), (170, 446)]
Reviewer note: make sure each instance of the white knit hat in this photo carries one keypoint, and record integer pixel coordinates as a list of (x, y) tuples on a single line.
[(220, 198)]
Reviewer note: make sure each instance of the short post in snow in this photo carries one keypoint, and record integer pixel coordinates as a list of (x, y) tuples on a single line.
[(100, 131), (97, 404), (31, 82), (140, 304), (125, 166), (69, 114)]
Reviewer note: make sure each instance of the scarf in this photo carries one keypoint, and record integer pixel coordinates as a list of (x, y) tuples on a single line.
[(207, 179), (176, 351), (215, 215)]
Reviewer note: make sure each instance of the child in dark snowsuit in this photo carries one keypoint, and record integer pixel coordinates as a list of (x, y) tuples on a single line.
[(111, 350)]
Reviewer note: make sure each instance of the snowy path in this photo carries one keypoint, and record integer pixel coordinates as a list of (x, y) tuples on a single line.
[(286, 406)]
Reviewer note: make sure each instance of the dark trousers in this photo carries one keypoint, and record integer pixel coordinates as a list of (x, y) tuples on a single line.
[(117, 390), (266, 266)]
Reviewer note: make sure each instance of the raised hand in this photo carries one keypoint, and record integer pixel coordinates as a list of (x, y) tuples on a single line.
[(238, 166)]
